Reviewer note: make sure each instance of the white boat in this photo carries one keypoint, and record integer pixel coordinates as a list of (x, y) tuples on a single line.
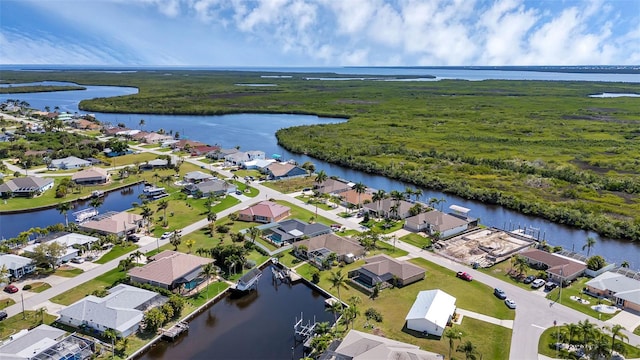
[(97, 193), (85, 214)]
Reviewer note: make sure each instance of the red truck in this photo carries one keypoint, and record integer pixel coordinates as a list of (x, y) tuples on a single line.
[(464, 276)]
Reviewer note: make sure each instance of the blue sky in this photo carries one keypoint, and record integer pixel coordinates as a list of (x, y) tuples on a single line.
[(319, 32)]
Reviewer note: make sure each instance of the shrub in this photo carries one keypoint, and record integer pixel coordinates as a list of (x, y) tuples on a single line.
[(249, 263), (315, 277), (596, 262), (223, 229), (27, 287), (372, 313)]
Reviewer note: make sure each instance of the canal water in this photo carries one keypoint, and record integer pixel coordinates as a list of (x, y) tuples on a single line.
[(13, 224), (257, 132), (257, 325)]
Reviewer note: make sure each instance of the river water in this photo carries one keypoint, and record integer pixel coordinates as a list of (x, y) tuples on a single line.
[(257, 132), (257, 325)]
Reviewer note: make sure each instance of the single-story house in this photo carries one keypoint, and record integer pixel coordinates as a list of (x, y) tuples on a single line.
[(186, 143), (258, 164), (431, 312), (385, 269), (318, 248), (279, 170), (291, 230), (240, 157), (333, 186), (264, 212), (119, 224), (558, 268), (112, 131), (622, 290), (155, 138), (122, 310), (387, 208), (18, 266), (46, 342), (221, 153), (171, 270), (154, 164), (359, 345), (71, 241), (70, 162), (25, 186), (214, 186), (353, 198), (203, 150), (84, 124), (435, 221), (197, 176), (91, 176)]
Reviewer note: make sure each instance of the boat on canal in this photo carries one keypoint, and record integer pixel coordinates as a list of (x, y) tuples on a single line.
[(85, 214)]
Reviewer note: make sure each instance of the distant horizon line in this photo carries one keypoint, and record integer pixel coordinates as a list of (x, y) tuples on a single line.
[(321, 66)]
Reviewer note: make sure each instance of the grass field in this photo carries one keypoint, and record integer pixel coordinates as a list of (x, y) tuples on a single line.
[(31, 319), (575, 289), (101, 282), (68, 271), (291, 185), (38, 287), (416, 240), (5, 303), (116, 252)]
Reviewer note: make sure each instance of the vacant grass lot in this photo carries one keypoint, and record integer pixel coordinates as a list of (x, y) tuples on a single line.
[(67, 271), (38, 287), (116, 252), (103, 281), (287, 186), (416, 240)]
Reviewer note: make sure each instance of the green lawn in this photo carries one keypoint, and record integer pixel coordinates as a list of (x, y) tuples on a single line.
[(38, 287), (291, 185), (504, 272), (575, 289), (30, 319), (416, 240), (637, 331), (103, 281), (5, 303), (68, 272), (116, 252), (315, 202), (381, 226), (304, 214)]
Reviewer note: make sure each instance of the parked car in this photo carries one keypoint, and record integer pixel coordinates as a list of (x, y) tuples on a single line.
[(166, 235), (510, 303), (11, 289), (77, 260), (550, 286), (133, 237), (537, 283), (529, 279), (3, 315), (499, 294), (238, 192), (464, 276)]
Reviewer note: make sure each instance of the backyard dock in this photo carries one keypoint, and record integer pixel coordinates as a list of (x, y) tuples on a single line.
[(176, 330)]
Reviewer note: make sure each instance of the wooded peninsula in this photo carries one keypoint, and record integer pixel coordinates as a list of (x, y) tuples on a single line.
[(543, 148)]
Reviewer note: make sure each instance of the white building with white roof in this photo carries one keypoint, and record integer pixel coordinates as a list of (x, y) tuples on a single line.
[(431, 312)]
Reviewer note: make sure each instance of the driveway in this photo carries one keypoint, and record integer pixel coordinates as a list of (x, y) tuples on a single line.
[(627, 319)]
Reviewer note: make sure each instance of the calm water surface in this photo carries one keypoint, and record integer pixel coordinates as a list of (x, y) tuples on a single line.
[(258, 325), (257, 131)]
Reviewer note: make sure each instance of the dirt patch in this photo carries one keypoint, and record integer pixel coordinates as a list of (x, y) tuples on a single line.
[(628, 198), (583, 165)]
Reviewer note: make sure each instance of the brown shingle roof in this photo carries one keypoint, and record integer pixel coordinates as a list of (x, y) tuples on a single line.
[(556, 264), (438, 219), (280, 169), (383, 264), (352, 197), (94, 172), (267, 209), (337, 244), (169, 266)]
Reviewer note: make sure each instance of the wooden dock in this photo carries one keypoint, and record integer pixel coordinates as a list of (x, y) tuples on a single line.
[(176, 330)]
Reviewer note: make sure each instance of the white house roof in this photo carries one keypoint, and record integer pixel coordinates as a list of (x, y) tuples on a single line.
[(622, 286), (460, 209), (359, 345), (198, 175), (32, 343), (14, 262), (436, 306), (70, 161), (116, 310)]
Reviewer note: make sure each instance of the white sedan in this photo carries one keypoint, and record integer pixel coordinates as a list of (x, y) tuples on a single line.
[(537, 283), (510, 303)]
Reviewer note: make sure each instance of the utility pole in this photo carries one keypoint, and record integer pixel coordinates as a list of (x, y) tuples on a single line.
[(24, 315)]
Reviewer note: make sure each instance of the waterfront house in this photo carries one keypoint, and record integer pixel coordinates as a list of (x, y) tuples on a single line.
[(195, 177), (291, 230), (240, 157), (622, 290), (221, 153), (116, 223), (383, 269), (46, 342), (186, 144), (70, 162), (171, 270), (431, 312), (202, 150), (122, 310), (278, 170), (29, 186), (351, 198), (155, 138), (154, 164), (214, 187), (389, 208), (358, 345), (259, 164), (264, 212), (72, 242), (318, 248), (558, 268), (18, 266), (84, 124), (333, 186), (435, 221), (112, 131), (91, 176)]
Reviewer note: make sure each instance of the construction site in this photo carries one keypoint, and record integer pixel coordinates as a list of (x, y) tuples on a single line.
[(483, 247)]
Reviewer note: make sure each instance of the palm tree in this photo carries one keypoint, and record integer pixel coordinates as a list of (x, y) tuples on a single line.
[(321, 177), (163, 205), (378, 196), (417, 193), (468, 349), (599, 345), (441, 202), (208, 270), (572, 329), (452, 334), (141, 123), (96, 203), (175, 240), (616, 332), (521, 264), (137, 255), (338, 280), (586, 329), (146, 215), (408, 192), (125, 264), (335, 308), (254, 233), (591, 242), (625, 264), (62, 209), (359, 188), (212, 217)]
